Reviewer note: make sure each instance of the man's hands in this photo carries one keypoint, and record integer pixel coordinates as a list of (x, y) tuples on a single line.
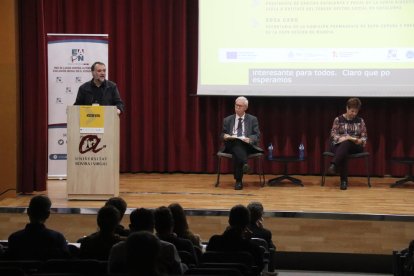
[(229, 137)]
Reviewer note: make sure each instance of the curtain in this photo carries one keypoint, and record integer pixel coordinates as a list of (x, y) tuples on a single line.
[(166, 127)]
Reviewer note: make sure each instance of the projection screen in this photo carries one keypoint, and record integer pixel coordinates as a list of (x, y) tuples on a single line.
[(359, 48)]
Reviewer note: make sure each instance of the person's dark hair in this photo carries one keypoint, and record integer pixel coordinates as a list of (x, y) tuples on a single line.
[(108, 218), (180, 220), (256, 211), (143, 249), (39, 208), (354, 103), (95, 63), (142, 220), (119, 203), (239, 216), (164, 221)]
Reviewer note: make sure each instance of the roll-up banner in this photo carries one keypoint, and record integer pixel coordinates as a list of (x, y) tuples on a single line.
[(70, 57)]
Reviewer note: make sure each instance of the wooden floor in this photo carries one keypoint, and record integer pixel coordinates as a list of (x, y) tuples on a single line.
[(197, 191), (373, 220)]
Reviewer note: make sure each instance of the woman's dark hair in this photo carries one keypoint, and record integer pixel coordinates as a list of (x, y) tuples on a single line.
[(354, 103), (180, 220)]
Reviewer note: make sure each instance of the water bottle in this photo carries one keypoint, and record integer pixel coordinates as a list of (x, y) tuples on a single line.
[(301, 151), (270, 151)]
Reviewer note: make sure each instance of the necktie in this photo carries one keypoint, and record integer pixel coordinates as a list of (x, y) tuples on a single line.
[(240, 128)]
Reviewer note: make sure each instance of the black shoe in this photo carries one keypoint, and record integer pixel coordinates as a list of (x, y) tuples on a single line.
[(246, 168), (332, 169), (344, 184), (238, 185)]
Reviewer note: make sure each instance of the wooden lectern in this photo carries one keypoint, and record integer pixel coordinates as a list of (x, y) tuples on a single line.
[(93, 152)]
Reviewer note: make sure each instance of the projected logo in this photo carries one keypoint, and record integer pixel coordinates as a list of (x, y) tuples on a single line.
[(231, 55), (410, 54), (90, 143), (78, 55)]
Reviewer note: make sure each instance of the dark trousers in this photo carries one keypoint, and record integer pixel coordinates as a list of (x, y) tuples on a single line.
[(341, 151), (239, 151)]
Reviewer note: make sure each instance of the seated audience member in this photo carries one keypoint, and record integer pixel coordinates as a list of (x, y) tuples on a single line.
[(98, 244), (258, 231), (35, 241), (237, 236), (256, 223), (142, 254), (181, 225), (121, 205), (348, 136), (164, 224), (143, 220)]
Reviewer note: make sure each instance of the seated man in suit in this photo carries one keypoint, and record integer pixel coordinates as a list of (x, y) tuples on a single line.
[(240, 134), (36, 241)]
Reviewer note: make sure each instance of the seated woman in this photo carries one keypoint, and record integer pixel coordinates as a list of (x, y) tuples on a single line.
[(181, 227), (98, 245), (348, 136)]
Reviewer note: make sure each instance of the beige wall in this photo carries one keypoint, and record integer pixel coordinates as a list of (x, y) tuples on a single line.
[(9, 97)]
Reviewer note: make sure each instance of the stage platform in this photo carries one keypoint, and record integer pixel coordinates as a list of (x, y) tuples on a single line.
[(311, 218)]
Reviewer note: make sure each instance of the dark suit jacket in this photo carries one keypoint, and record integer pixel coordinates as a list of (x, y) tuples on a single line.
[(110, 95), (251, 129), (36, 242)]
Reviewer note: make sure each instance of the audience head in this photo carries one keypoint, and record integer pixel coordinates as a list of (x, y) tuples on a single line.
[(143, 249), (142, 220), (119, 203), (256, 211), (180, 219), (108, 218), (39, 209), (164, 221), (239, 217)]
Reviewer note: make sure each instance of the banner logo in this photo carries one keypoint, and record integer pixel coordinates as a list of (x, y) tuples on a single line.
[(78, 55)]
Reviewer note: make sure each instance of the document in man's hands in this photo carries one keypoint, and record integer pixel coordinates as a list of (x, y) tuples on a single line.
[(232, 137), (241, 138)]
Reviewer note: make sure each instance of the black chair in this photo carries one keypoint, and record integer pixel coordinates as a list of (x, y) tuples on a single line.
[(240, 257), (28, 266), (88, 267), (213, 271), (238, 266), (187, 258), (327, 155), (63, 274), (258, 157), (12, 271)]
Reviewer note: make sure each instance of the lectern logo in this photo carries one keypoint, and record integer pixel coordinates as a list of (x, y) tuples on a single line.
[(90, 143)]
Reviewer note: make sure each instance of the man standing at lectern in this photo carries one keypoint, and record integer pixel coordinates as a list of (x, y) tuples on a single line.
[(99, 91), (240, 134)]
